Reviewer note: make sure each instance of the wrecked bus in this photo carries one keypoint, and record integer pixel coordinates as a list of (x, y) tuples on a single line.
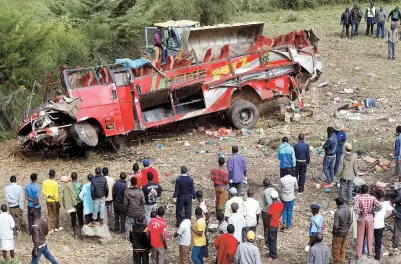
[(229, 69)]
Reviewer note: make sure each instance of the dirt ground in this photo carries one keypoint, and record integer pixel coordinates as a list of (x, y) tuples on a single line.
[(360, 64)]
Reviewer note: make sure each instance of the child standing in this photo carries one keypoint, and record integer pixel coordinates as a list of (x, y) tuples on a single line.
[(316, 225)]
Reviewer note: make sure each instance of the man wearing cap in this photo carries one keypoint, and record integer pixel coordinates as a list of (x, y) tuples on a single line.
[(247, 252), (341, 138), (144, 173), (234, 199), (236, 166), (341, 226), (286, 155), (302, 156), (226, 246), (347, 172), (329, 160), (274, 214), (184, 193)]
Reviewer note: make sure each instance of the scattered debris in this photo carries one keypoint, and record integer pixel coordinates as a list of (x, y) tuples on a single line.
[(347, 91), (370, 102), (323, 84)]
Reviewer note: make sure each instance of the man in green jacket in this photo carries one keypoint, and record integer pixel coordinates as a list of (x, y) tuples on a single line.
[(68, 198), (347, 171)]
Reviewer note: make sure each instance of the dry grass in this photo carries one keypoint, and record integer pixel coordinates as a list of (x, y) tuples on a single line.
[(340, 58)]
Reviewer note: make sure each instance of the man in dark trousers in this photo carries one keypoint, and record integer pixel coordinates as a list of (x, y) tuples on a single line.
[(99, 192), (302, 157), (140, 241), (345, 22), (236, 166), (184, 194), (329, 160), (341, 226), (341, 138), (118, 202)]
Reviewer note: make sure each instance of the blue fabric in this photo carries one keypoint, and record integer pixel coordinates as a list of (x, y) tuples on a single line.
[(328, 168), (98, 208), (236, 166), (45, 252), (341, 137), (184, 186), (316, 224), (86, 198), (32, 190), (287, 213), (197, 257), (286, 155), (133, 63), (337, 163), (370, 21), (301, 150), (330, 146), (355, 28), (398, 147), (380, 29)]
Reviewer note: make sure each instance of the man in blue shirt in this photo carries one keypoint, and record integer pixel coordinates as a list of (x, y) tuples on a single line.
[(32, 193), (302, 156), (341, 138), (184, 193), (286, 155), (397, 153), (236, 166)]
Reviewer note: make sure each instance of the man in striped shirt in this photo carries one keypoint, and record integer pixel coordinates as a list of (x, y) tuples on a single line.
[(219, 176)]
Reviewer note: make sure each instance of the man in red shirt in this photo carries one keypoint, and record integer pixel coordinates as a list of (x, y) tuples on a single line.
[(219, 176), (144, 173), (226, 246), (274, 214), (158, 237)]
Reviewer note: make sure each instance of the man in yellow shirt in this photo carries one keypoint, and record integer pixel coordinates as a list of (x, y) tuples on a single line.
[(199, 230), (50, 191)]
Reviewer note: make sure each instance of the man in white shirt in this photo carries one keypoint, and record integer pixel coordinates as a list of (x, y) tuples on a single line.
[(251, 211), (184, 238), (6, 232), (234, 199), (15, 201), (238, 221), (378, 222), (109, 211), (288, 186)]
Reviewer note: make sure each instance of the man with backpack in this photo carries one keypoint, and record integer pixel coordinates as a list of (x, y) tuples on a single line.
[(356, 17)]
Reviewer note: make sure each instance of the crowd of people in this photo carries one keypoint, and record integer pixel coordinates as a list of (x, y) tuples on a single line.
[(130, 206), (352, 18)]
